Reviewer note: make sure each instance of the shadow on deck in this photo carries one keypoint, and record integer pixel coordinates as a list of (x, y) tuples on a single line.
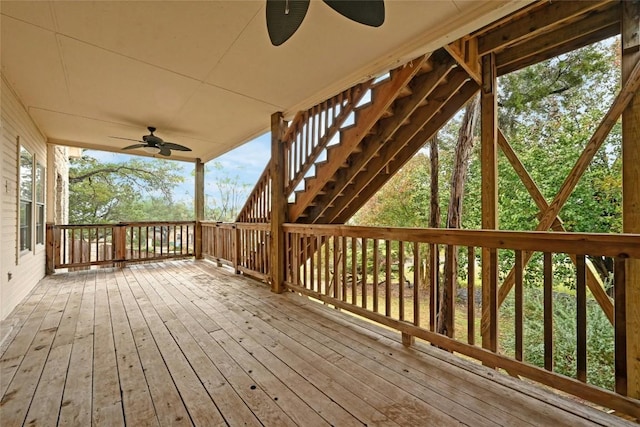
[(185, 342)]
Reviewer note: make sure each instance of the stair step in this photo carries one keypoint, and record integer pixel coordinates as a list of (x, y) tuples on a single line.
[(388, 112), (404, 92)]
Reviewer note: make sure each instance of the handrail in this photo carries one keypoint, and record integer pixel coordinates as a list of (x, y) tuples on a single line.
[(257, 208)]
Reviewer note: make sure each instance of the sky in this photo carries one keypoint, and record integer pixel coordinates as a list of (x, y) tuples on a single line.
[(245, 164)]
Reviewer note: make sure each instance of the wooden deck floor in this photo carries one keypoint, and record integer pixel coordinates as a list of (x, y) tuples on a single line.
[(186, 343)]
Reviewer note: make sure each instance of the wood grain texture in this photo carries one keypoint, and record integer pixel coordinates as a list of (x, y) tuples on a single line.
[(213, 347)]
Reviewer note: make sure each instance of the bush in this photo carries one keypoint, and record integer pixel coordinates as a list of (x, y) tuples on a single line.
[(600, 339)]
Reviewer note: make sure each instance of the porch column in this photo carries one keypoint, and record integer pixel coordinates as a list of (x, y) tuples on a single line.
[(278, 203), (630, 192), (199, 207), (489, 172)]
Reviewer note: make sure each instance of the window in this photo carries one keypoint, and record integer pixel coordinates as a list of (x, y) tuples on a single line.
[(40, 177), (32, 184), (26, 199)]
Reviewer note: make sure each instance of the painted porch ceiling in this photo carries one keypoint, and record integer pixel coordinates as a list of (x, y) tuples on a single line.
[(204, 72)]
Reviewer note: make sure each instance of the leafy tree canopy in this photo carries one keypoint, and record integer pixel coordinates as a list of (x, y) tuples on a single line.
[(137, 190)]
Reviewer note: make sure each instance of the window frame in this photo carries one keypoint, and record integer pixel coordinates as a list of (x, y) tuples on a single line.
[(39, 183), (26, 195), (31, 179)]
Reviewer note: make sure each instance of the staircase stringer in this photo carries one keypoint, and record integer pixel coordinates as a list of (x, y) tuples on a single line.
[(257, 208), (348, 100), (377, 177), (376, 150), (351, 138)]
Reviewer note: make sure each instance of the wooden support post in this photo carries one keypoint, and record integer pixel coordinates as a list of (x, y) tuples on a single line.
[(236, 248), (630, 193), (489, 171), (407, 339), (199, 207), (278, 203), (50, 249), (120, 243)]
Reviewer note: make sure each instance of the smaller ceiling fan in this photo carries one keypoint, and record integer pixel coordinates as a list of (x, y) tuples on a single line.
[(154, 144)]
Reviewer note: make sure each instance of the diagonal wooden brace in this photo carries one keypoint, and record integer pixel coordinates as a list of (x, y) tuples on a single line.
[(551, 213), (593, 280)]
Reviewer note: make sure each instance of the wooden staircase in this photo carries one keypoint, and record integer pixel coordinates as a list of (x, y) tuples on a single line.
[(340, 152)]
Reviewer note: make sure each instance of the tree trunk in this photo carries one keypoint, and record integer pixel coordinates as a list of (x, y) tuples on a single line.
[(454, 214), (434, 206)]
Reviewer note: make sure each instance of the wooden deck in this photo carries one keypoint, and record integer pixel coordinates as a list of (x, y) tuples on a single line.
[(184, 343)]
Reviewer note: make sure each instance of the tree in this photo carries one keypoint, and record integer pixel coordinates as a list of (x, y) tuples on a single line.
[(136, 190), (226, 196), (454, 212)]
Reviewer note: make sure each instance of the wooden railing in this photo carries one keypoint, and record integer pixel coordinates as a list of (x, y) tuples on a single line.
[(311, 131), (85, 245), (306, 138), (390, 276), (257, 208), (243, 246)]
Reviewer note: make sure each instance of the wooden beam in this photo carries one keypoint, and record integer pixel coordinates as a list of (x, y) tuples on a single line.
[(383, 148), (465, 52), (630, 185), (629, 89), (383, 167), (199, 206), (539, 20), (489, 172), (278, 203), (593, 281), (592, 27)]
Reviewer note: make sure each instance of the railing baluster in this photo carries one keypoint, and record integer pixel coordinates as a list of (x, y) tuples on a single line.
[(620, 325), (344, 268), (387, 279), (336, 267), (401, 279), (519, 305), (327, 278), (548, 311), (319, 259), (581, 321), (305, 257), (312, 262), (354, 271), (416, 284), (363, 258), (433, 285), (375, 274)]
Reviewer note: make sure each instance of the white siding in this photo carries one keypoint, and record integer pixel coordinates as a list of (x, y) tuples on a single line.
[(27, 269)]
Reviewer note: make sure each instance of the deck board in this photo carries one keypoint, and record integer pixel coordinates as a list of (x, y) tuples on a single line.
[(189, 343)]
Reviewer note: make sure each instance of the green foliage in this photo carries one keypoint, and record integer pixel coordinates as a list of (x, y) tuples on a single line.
[(600, 340), (548, 112), (137, 190)]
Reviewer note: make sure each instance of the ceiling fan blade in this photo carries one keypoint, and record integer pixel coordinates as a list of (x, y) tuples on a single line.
[(126, 139), (131, 147), (284, 18), (367, 12), (164, 151), (174, 146)]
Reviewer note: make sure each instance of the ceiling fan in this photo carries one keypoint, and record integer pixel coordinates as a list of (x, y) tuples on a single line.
[(154, 144), (284, 17)]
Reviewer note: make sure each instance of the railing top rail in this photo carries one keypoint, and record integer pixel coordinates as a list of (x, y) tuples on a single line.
[(120, 224), (615, 245), (261, 226)]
